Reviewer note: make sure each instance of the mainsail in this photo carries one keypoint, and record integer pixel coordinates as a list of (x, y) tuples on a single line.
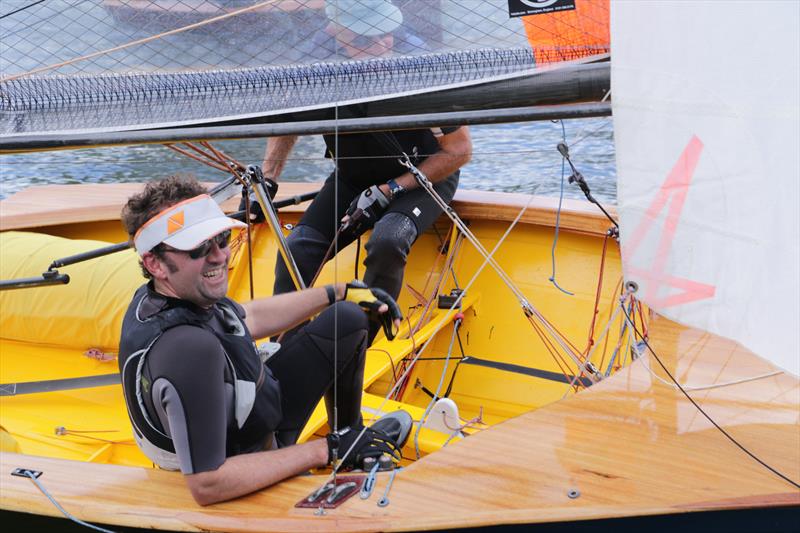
[(119, 65), (708, 165)]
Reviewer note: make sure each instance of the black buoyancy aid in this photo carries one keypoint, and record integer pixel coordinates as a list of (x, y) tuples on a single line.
[(257, 396)]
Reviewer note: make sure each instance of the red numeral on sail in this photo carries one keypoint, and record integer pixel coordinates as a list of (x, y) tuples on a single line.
[(672, 193)]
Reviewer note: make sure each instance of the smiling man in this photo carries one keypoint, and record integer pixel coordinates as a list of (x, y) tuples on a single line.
[(200, 397)]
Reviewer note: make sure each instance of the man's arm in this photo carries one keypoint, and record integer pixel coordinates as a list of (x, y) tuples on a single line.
[(276, 154), (455, 151), (268, 316), (246, 473)]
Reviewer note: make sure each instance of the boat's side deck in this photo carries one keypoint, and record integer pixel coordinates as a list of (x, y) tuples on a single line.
[(56, 205)]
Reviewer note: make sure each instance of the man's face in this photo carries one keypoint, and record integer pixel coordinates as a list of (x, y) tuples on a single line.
[(202, 281), (362, 46)]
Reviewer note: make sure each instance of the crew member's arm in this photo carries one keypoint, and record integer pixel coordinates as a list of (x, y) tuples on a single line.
[(276, 154), (455, 151), (268, 316), (246, 473), (187, 368)]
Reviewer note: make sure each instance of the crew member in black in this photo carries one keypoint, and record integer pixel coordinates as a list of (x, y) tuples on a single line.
[(370, 177), (198, 393)]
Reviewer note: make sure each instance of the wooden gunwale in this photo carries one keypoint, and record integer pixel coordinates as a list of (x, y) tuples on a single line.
[(56, 205)]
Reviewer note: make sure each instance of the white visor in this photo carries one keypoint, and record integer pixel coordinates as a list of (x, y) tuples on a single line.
[(185, 225)]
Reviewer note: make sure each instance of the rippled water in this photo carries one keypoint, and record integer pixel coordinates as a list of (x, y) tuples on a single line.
[(508, 157)]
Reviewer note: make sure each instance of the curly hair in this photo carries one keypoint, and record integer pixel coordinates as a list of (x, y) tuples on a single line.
[(157, 196)]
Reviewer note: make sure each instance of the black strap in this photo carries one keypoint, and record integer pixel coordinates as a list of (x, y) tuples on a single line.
[(331, 294), (526, 370), (55, 385)]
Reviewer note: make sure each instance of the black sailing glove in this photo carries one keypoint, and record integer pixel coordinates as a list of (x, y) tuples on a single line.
[(364, 442), (370, 300), (366, 209)]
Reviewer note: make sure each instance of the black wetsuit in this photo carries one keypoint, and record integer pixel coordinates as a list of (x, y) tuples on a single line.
[(184, 363)]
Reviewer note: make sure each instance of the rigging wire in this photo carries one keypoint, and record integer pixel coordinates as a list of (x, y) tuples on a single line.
[(701, 410)]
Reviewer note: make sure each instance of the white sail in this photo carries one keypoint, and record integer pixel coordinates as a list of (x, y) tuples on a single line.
[(706, 98)]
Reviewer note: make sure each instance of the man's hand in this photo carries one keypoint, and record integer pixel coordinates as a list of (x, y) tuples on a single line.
[(364, 442), (377, 303), (365, 209)]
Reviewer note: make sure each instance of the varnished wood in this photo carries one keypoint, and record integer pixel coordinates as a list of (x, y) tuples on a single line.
[(53, 205), (631, 445)]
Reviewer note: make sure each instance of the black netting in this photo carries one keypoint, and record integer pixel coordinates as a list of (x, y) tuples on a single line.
[(69, 65)]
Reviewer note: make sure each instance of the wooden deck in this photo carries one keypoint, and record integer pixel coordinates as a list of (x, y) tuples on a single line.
[(630, 445)]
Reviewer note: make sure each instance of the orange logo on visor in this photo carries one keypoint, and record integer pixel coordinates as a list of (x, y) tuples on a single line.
[(175, 222)]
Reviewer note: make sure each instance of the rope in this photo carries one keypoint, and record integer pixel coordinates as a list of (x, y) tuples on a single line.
[(404, 376), (700, 409), (38, 484), (435, 397), (552, 277), (140, 41), (596, 310), (713, 385)]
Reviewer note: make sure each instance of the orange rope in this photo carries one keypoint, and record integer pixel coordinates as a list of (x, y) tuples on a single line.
[(596, 310), (140, 41), (196, 158)]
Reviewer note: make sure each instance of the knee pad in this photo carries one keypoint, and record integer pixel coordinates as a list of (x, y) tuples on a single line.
[(392, 237)]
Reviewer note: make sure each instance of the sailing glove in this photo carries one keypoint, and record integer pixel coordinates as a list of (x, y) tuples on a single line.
[(370, 300), (366, 209), (351, 445)]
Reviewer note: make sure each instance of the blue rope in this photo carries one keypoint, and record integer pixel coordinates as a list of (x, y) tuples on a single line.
[(63, 511), (552, 277)]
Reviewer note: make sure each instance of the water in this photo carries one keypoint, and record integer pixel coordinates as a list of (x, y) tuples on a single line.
[(506, 157)]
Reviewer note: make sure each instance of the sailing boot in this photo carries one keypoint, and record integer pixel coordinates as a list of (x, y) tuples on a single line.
[(397, 426)]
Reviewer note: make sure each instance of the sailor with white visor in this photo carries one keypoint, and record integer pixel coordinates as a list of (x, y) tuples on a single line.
[(199, 397)]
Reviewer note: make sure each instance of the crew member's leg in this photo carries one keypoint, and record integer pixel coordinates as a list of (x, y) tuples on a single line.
[(387, 251), (395, 232), (304, 368)]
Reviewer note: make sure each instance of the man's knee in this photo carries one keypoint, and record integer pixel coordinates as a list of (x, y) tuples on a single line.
[(392, 238), (350, 317)]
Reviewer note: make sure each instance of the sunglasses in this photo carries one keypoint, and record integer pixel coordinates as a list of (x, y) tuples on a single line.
[(221, 240)]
